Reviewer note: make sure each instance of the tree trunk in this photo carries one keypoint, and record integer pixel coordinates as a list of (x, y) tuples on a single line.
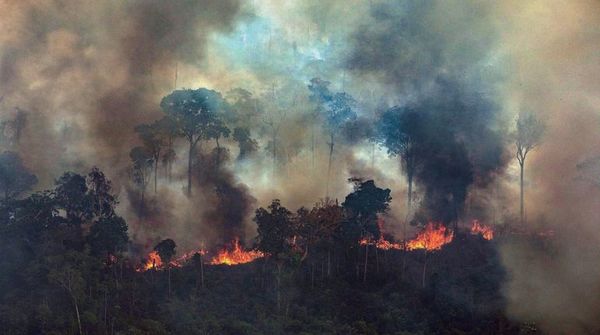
[(329, 164), (142, 205), (169, 268), (522, 165), (366, 263), (155, 174), (201, 270), (424, 270), (328, 263), (190, 157), (409, 195), (279, 265), (77, 313), (218, 153)]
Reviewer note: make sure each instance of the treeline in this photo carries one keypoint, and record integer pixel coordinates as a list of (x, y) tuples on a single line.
[(66, 270)]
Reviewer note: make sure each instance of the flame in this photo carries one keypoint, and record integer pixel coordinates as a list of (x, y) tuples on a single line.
[(433, 237), (235, 255), (381, 243), (485, 231), (152, 262)]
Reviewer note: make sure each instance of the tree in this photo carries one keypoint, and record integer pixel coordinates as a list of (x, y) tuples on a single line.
[(142, 165), (528, 136), (195, 114), (108, 236), (398, 130), (154, 138), (275, 236), (246, 143), (362, 206), (14, 176), (100, 193), (71, 193), (216, 131), (337, 108), (166, 251)]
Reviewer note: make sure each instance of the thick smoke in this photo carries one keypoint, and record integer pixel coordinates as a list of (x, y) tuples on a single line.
[(86, 73), (419, 50)]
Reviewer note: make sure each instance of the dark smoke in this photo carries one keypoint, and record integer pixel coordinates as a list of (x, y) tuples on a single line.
[(461, 143)]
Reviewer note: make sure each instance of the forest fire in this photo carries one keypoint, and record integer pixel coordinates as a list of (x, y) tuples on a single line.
[(433, 237), (479, 229), (236, 255), (381, 243), (152, 262)]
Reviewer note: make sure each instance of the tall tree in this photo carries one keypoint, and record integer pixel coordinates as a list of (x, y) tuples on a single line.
[(216, 131), (336, 108), (362, 206), (275, 236), (71, 193), (155, 140), (14, 176), (195, 113), (108, 236), (142, 163), (398, 130), (246, 143), (166, 251), (528, 136), (100, 192)]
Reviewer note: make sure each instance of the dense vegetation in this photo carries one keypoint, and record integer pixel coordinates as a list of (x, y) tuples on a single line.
[(66, 270)]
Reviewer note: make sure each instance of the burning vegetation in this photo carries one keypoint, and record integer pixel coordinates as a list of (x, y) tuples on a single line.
[(483, 230), (235, 255), (433, 237)]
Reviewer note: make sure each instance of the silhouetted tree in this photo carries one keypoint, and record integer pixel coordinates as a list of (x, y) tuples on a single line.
[(398, 129), (100, 192), (166, 251), (275, 236), (216, 131), (154, 138), (142, 163), (337, 109), (529, 134), (14, 176), (71, 193), (195, 113), (246, 143), (362, 206), (108, 236)]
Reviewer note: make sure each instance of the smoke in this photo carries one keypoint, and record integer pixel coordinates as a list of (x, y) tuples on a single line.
[(98, 69), (553, 69), (87, 73), (421, 51)]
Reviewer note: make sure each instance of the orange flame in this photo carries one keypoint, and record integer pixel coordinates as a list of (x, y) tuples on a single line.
[(153, 262), (236, 255), (381, 243), (485, 231), (433, 237)]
